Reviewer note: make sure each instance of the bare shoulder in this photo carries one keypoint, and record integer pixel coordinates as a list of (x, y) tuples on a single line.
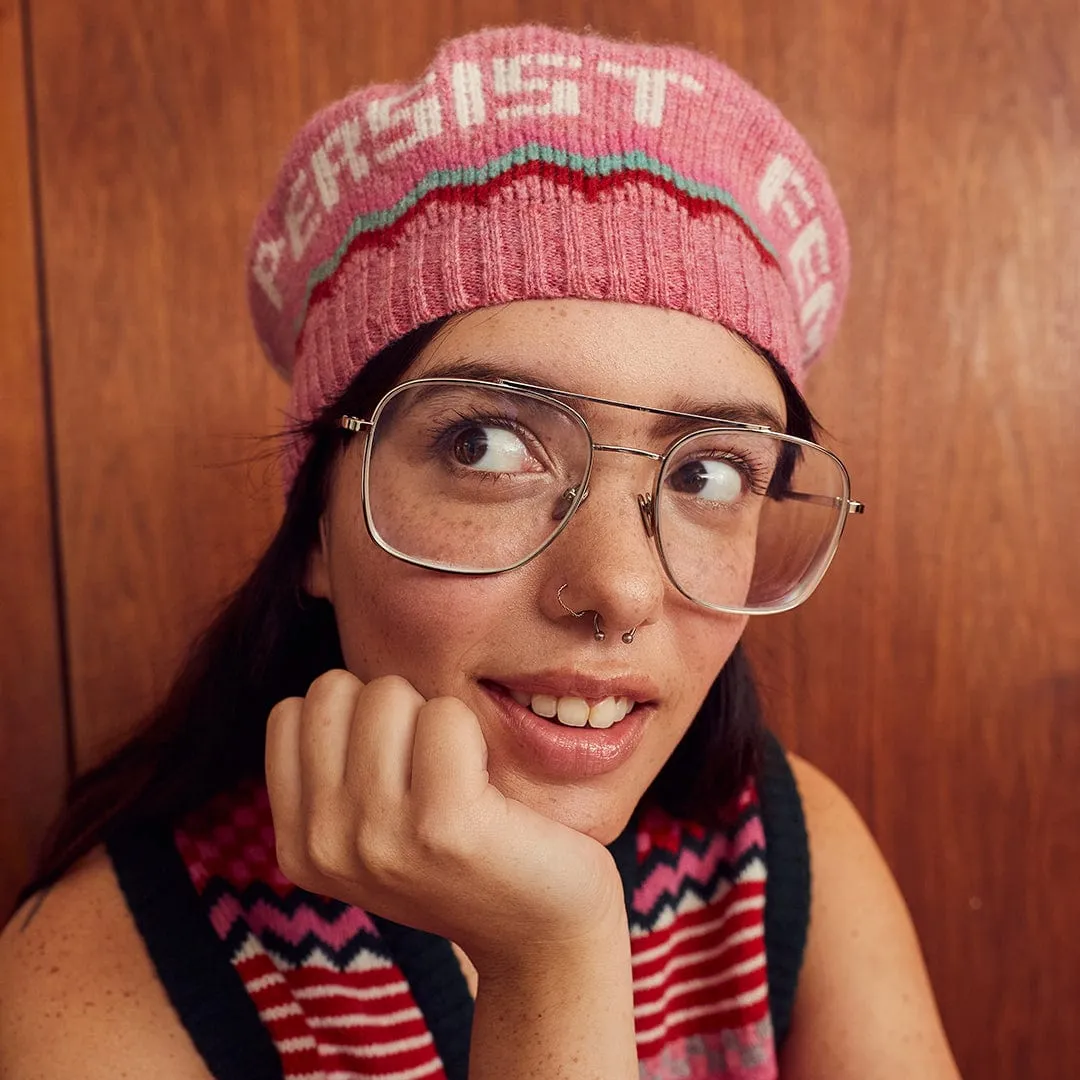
[(78, 993), (864, 1007)]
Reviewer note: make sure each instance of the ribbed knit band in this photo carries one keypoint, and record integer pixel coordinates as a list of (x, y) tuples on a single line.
[(531, 163)]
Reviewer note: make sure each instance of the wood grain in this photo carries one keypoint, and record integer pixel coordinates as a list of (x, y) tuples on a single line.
[(156, 140), (936, 675), (33, 761)]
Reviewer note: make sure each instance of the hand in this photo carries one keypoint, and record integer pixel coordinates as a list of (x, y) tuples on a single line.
[(382, 799)]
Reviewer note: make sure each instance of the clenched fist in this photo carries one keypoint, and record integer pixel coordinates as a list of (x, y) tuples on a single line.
[(382, 799)]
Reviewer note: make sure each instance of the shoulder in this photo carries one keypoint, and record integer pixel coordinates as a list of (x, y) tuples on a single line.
[(864, 1006), (852, 888), (78, 993), (833, 824)]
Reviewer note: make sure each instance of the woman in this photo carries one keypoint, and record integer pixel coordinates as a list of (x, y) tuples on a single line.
[(469, 778)]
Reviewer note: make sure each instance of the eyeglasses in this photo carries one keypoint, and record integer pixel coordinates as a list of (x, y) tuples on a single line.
[(469, 476)]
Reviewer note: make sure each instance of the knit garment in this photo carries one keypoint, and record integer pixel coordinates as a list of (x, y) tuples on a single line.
[(271, 981), (336, 1003), (531, 163)]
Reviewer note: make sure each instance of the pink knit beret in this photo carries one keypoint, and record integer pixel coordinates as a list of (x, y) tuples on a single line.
[(531, 163)]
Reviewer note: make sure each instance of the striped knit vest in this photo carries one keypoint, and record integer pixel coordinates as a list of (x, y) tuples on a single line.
[(274, 981)]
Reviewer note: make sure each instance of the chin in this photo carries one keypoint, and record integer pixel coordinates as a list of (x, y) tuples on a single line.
[(589, 812)]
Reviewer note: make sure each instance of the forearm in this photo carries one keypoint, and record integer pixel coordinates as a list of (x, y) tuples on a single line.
[(559, 1015)]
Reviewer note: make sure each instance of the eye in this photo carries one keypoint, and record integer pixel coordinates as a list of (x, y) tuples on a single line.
[(487, 448), (712, 479)]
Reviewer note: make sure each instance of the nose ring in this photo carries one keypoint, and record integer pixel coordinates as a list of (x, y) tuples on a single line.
[(598, 630)]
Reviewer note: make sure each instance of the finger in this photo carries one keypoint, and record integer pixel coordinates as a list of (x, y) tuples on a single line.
[(380, 742), (283, 783), (449, 758), (324, 732)]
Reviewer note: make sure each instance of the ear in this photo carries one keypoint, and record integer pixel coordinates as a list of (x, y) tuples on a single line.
[(317, 575)]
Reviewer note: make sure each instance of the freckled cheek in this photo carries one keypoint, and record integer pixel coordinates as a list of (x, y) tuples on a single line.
[(394, 618), (706, 649)]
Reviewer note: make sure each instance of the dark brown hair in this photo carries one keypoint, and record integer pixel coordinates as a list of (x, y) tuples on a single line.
[(270, 640)]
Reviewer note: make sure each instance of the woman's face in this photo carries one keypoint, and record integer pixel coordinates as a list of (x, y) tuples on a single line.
[(485, 639)]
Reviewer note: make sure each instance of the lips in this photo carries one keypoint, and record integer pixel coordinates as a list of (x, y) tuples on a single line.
[(568, 745)]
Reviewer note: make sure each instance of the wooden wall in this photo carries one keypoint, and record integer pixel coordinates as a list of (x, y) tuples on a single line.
[(33, 732), (936, 675)]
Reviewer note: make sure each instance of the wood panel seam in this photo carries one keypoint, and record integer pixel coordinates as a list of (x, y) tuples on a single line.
[(48, 387)]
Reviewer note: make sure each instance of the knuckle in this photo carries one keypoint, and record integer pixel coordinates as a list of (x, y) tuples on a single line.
[(322, 849), (289, 862), (446, 705), (332, 682), (448, 711), (397, 687), (429, 834), (286, 707), (438, 835), (373, 850)]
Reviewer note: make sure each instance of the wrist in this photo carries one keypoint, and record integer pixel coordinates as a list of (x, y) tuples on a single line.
[(567, 1002), (603, 941), (586, 931)]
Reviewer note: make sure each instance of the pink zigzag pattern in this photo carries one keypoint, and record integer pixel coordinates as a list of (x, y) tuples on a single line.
[(700, 868), (292, 928)]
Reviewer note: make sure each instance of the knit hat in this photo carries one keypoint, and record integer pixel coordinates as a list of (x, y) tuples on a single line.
[(532, 163)]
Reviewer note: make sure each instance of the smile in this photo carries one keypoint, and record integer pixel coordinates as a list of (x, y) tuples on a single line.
[(575, 711), (569, 726)]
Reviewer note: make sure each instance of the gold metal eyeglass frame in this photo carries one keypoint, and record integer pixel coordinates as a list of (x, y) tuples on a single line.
[(647, 501)]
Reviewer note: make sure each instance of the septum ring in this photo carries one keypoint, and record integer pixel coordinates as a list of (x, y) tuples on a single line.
[(598, 630)]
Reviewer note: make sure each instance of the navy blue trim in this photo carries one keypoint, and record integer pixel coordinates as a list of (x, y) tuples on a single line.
[(787, 887), (191, 961)]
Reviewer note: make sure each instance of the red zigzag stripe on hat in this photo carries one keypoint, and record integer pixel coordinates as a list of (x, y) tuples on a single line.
[(593, 188)]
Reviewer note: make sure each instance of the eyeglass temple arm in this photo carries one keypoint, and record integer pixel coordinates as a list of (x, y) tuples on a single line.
[(853, 507)]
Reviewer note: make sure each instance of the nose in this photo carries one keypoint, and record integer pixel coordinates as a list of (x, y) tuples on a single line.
[(607, 556)]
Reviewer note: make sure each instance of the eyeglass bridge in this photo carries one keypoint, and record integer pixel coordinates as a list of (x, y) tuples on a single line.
[(644, 501)]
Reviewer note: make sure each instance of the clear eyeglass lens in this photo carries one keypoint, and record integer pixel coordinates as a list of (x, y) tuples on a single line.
[(475, 478), (747, 520), (472, 478)]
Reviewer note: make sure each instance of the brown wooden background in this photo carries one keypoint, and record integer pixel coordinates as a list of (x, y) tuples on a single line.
[(936, 675)]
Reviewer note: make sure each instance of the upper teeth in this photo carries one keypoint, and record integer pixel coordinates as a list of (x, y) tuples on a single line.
[(575, 711)]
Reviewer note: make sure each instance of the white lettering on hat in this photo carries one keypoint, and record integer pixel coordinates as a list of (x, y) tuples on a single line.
[(326, 168), (467, 86), (563, 95), (424, 115), (541, 85), (815, 313), (650, 88), (809, 257), (301, 218), (780, 182), (264, 268)]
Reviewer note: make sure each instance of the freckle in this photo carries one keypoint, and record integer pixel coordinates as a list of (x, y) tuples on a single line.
[(54, 970)]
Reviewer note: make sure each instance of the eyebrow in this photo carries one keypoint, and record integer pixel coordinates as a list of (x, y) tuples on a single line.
[(740, 411)]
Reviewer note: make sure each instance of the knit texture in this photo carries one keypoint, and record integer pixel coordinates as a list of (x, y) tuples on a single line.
[(347, 995), (532, 163)]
